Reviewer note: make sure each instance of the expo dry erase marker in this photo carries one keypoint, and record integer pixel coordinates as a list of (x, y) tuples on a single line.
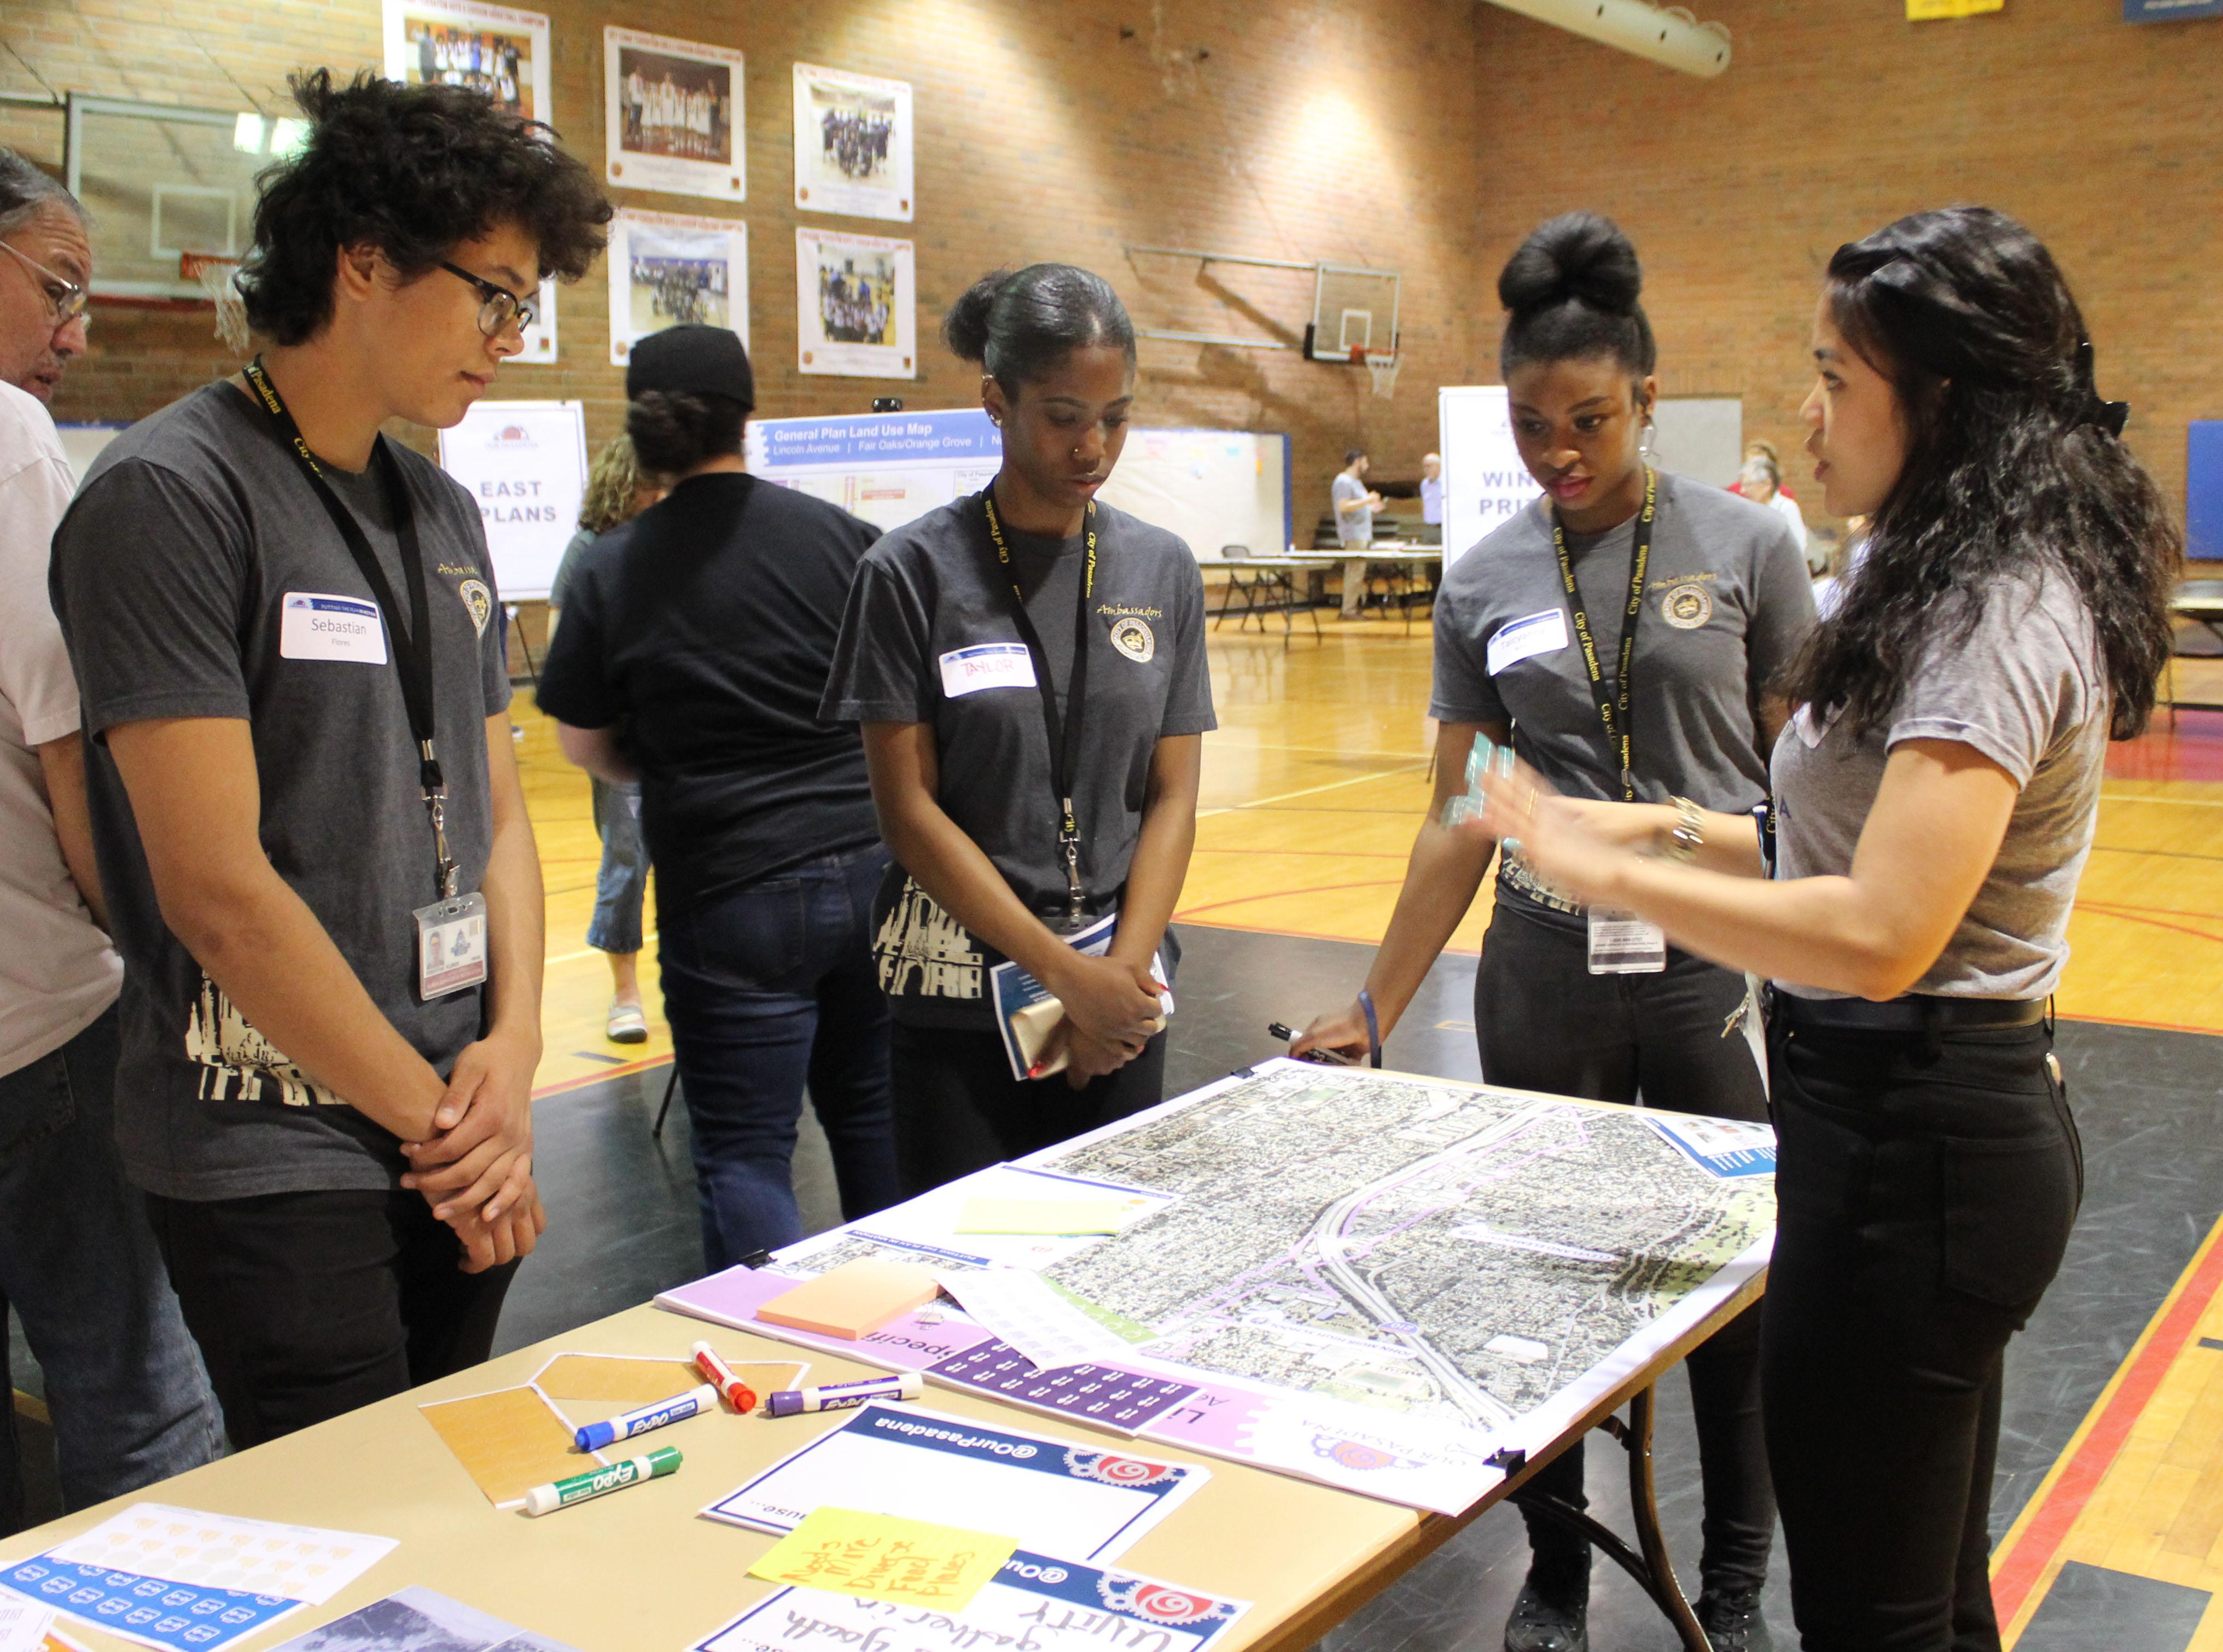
[(595, 1435), (738, 1394), (795, 1402), (577, 1488)]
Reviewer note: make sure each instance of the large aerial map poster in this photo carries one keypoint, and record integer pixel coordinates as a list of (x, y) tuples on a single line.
[(1372, 1279)]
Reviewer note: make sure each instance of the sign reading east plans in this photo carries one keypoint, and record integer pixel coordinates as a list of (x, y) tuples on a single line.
[(524, 464), (1051, 1605), (926, 1466)]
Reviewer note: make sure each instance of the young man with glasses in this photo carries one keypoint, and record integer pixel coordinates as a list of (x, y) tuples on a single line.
[(323, 882), (124, 1389)]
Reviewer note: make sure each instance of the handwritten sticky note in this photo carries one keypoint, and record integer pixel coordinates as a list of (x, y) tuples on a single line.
[(988, 1215), (885, 1557)]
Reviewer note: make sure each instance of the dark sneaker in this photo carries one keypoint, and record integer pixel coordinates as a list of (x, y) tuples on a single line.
[(1542, 1624), (1732, 1621)]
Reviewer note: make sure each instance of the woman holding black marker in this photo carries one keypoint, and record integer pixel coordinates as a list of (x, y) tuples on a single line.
[(1029, 668), (1937, 793), (1650, 680)]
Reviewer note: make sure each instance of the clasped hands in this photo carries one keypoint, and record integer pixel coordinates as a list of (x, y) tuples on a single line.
[(475, 1170), (1111, 1011)]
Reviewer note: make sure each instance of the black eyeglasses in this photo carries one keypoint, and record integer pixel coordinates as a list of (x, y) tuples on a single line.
[(502, 308)]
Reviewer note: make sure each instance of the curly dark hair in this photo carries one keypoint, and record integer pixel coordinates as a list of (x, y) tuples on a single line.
[(412, 171), (1570, 292), (2013, 465)]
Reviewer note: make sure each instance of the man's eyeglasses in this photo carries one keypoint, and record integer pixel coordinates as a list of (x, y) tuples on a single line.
[(65, 297), (502, 308)]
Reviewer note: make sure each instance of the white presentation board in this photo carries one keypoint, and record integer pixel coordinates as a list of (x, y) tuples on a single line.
[(1484, 481), (1702, 437), (526, 464), (1215, 488)]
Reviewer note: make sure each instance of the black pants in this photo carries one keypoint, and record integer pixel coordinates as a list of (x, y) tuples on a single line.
[(307, 1305), (957, 1108), (1926, 1189), (1545, 1022)]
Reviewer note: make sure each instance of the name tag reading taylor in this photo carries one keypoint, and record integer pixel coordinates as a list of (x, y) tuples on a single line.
[(987, 665)]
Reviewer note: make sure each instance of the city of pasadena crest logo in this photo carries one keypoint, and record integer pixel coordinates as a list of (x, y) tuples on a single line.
[(479, 600), (1686, 607), (1133, 638)]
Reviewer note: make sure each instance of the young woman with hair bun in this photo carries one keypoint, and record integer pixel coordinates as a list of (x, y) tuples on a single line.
[(1029, 668), (1695, 601), (1935, 799)]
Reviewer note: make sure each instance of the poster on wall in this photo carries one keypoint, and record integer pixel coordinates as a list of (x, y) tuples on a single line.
[(672, 114), (852, 144), (540, 337), (667, 268), (524, 465), (854, 296), (2168, 11), (493, 49), (1485, 484)]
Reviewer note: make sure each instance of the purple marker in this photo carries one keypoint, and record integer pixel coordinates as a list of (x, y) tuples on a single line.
[(835, 1396)]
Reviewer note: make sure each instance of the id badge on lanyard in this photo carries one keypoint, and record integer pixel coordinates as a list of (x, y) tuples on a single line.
[(451, 933), (1620, 944)]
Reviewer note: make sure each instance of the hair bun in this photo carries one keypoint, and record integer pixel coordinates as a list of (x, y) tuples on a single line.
[(1577, 256), (965, 329)]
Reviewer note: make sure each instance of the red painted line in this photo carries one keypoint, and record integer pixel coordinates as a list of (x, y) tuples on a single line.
[(1283, 894), (2126, 1021), (585, 1079), (2123, 916), (2117, 1413)]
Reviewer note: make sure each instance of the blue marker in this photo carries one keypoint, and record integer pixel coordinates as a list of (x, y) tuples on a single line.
[(595, 1435)]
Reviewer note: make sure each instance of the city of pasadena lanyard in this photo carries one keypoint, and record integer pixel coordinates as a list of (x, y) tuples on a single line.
[(1613, 709), (451, 933), (1620, 944), (1064, 731)]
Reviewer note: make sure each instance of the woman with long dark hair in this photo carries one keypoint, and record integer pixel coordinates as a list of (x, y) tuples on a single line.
[(1028, 666), (1935, 799), (1649, 680)]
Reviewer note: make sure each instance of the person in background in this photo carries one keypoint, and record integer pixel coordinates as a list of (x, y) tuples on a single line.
[(124, 1387), (1844, 556), (1432, 498), (1935, 799), (1566, 999), (691, 660), (312, 836), (1028, 666), (617, 491), (1354, 503), (1761, 479)]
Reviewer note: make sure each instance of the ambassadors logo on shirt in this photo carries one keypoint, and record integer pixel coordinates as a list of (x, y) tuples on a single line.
[(1133, 638), (479, 600), (1687, 606)]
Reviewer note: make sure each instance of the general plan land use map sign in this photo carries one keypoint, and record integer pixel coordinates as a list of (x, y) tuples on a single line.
[(1371, 1279)]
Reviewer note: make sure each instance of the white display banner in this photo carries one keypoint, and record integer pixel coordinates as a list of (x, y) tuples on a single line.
[(1485, 484), (671, 267), (525, 462), (672, 114)]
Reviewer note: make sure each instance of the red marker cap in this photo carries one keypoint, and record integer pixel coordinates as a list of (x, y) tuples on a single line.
[(720, 1376)]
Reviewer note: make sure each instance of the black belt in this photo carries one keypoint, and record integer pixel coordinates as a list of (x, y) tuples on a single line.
[(1916, 1012)]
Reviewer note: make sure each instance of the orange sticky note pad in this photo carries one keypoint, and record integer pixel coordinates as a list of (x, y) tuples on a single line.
[(885, 1557), (853, 1300)]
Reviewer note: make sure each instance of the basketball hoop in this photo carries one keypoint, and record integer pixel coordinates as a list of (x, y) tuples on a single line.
[(1384, 370), (216, 273)]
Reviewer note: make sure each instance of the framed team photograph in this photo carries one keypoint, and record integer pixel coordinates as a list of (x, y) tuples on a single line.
[(673, 116), (667, 268), (856, 303), (494, 49), (852, 144), (540, 337)]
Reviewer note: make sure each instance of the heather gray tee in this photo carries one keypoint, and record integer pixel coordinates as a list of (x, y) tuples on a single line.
[(2027, 689), (1353, 526), (171, 576)]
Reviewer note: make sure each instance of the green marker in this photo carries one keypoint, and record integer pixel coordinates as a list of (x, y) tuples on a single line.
[(546, 1499)]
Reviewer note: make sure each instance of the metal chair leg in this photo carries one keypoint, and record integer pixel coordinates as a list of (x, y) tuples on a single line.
[(671, 1087)]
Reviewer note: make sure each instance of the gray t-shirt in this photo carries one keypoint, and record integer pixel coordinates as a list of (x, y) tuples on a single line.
[(174, 574), (2029, 690), (931, 592), (1351, 526)]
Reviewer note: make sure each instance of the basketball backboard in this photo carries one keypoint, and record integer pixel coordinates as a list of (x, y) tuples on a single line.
[(165, 186), (1354, 313)]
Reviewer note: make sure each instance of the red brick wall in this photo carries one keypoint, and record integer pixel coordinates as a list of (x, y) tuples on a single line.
[(1298, 132), (1838, 116)]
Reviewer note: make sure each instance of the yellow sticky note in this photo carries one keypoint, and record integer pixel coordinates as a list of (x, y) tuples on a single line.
[(885, 1557), (985, 1215)]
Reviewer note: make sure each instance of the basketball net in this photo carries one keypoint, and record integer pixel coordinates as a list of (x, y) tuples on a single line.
[(216, 275), (1383, 371)]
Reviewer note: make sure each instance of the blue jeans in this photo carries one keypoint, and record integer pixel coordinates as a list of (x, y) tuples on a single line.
[(622, 879), (125, 1388), (769, 986)]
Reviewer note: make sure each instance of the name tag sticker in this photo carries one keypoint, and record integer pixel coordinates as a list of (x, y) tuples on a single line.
[(985, 666), (311, 626), (1526, 638)]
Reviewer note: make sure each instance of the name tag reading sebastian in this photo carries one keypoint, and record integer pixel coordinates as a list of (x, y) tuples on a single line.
[(451, 946), (314, 626), (987, 665)]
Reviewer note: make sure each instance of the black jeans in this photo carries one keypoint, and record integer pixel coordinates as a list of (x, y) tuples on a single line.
[(957, 1108), (307, 1305), (768, 987), (1545, 1022), (1926, 1189)]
